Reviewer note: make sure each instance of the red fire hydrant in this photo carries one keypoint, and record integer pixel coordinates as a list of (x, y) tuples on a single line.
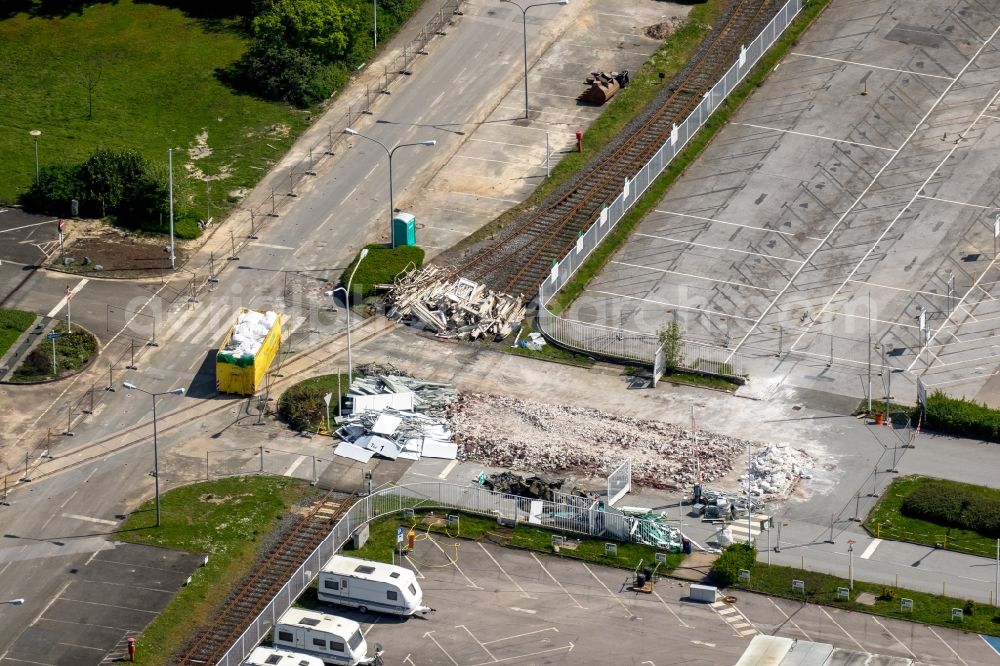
[(131, 649), (579, 141)]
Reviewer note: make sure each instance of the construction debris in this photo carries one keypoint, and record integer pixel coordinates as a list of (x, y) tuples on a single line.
[(656, 529), (774, 469), (396, 416), (453, 308), (602, 86), (533, 487), (501, 431)]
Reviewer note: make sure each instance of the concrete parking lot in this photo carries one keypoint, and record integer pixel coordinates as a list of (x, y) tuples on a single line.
[(855, 171), (114, 595), (495, 605)]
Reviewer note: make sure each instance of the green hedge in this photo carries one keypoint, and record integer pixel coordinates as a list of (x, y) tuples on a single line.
[(381, 266), (954, 505), (726, 569), (302, 406), (966, 418)]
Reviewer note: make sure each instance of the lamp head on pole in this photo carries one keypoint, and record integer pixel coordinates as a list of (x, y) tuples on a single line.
[(130, 386), (348, 130), (36, 134), (432, 142), (563, 2), (364, 253), (177, 391)]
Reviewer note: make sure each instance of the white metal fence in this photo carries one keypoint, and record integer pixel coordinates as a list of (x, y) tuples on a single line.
[(620, 481), (606, 341), (472, 499)]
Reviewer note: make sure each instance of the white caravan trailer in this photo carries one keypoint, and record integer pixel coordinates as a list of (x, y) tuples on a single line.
[(265, 656), (367, 585), (337, 641)]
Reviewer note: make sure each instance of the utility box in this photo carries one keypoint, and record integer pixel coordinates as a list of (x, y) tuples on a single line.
[(404, 229), (703, 593)]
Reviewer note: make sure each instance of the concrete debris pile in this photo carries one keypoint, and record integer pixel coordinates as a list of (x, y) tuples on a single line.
[(774, 469), (532, 487), (395, 416), (453, 308), (501, 431)]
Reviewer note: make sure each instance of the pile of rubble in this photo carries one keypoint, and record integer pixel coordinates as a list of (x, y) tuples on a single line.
[(774, 469), (524, 435), (396, 416), (453, 307)]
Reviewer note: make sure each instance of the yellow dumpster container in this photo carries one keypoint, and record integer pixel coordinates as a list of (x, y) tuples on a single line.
[(241, 373)]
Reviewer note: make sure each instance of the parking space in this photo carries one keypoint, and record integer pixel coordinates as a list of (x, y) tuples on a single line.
[(114, 595), (855, 171), (504, 158), (25, 238), (496, 605)]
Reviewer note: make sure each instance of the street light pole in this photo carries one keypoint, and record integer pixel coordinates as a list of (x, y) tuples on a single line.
[(850, 565), (375, 21), (170, 177), (390, 153), (524, 22), (156, 453), (36, 134), (347, 302)]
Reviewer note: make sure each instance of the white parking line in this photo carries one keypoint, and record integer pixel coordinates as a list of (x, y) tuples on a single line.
[(447, 470), (430, 635), (957, 656), (816, 136), (787, 617), (51, 601), (886, 630), (690, 275), (861, 64), (860, 646), (672, 612), (90, 519), (503, 571), (721, 249), (854, 205), (294, 466), (733, 224), (611, 594), (25, 226), (481, 644), (530, 633), (455, 563), (415, 569), (554, 580), (958, 203), (673, 305)]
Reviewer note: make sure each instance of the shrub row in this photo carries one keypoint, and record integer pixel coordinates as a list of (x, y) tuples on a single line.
[(726, 569), (958, 416), (302, 406), (954, 505)]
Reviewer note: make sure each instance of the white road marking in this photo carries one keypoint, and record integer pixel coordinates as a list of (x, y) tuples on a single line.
[(957, 656), (51, 601), (870, 550), (554, 580), (886, 630), (294, 466), (450, 231), (722, 249), (485, 159), (611, 594), (860, 646), (734, 224), (504, 572), (473, 637), (568, 648), (455, 564), (673, 305), (415, 569), (789, 619), (25, 226), (672, 612), (271, 246), (522, 610), (90, 519), (430, 635), (816, 136), (447, 470), (861, 64), (68, 499), (959, 203), (502, 143), (62, 303), (483, 196), (690, 275), (530, 633), (917, 126)]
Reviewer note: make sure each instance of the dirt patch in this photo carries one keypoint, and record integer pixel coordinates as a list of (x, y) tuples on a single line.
[(664, 29), (217, 499), (94, 247)]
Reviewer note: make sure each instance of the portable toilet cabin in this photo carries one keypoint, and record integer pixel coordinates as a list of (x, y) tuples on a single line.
[(265, 656), (404, 229), (336, 640)]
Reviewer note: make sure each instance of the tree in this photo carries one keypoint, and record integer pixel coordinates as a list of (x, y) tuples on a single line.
[(56, 186), (108, 173), (274, 70), (90, 76), (672, 341), (317, 27)]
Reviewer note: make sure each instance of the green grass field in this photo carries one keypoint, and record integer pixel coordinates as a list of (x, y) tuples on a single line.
[(155, 89), (12, 324), (886, 520)]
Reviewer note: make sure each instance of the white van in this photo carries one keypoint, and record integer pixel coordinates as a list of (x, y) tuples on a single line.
[(337, 641), (367, 585), (265, 656)]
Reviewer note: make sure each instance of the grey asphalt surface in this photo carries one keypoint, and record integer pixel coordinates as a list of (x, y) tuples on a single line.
[(855, 169)]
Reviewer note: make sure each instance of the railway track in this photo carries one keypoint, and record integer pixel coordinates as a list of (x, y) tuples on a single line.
[(519, 260), (257, 589)]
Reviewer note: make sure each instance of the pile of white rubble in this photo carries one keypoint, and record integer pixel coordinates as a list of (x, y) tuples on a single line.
[(774, 469), (249, 333)]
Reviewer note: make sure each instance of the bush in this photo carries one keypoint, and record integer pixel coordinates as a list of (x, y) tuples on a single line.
[(56, 187), (958, 416), (381, 266), (726, 569), (274, 70), (954, 505), (302, 407)]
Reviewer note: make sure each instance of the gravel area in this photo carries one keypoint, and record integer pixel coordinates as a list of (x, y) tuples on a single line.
[(524, 435)]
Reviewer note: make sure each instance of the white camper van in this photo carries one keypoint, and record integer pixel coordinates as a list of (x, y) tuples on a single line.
[(264, 656), (337, 641), (367, 585)]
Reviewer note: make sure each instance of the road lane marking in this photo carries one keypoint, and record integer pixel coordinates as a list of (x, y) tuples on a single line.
[(89, 519), (870, 550), (504, 572), (447, 470), (62, 303), (294, 466), (554, 580)]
